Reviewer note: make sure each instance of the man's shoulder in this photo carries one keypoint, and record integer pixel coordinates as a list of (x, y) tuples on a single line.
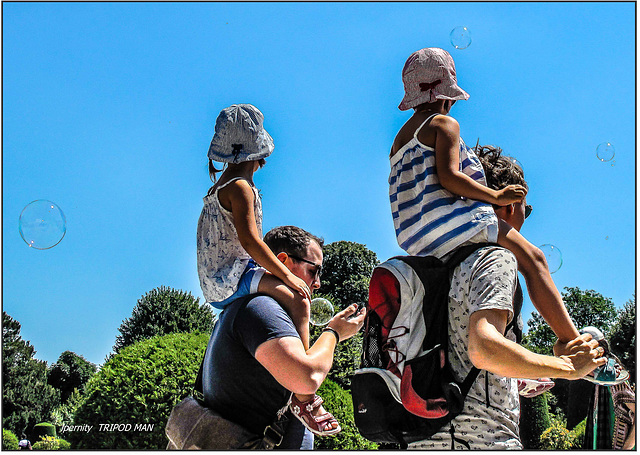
[(490, 253), (259, 309)]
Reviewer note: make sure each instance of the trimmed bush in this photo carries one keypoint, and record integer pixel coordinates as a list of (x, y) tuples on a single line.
[(339, 403), (534, 420), (129, 400), (9, 440), (43, 429)]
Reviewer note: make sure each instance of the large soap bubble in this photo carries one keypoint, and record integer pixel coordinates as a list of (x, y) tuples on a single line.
[(42, 224), (553, 255), (321, 311), (460, 37)]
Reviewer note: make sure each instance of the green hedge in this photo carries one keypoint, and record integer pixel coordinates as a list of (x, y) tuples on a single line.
[(339, 403), (135, 391), (9, 440), (534, 420)]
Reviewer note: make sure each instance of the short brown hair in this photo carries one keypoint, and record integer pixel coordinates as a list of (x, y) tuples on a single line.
[(500, 171), (291, 240)]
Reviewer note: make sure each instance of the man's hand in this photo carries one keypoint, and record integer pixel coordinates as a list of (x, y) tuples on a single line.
[(583, 343), (348, 322), (584, 362)]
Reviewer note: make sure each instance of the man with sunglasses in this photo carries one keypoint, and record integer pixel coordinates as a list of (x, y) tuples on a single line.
[(481, 307), (255, 357)]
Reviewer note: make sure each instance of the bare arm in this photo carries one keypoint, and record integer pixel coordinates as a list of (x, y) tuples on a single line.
[(448, 168), (490, 350), (303, 372), (241, 198)]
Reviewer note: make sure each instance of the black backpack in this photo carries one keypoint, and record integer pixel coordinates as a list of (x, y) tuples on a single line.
[(405, 390)]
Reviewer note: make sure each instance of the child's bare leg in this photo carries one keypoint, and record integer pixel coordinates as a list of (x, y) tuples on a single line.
[(299, 309), (542, 290), (296, 306)]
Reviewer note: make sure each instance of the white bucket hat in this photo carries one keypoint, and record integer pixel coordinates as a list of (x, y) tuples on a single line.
[(429, 75), (240, 135)]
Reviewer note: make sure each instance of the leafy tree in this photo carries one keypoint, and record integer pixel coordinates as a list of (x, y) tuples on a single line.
[(69, 373), (63, 414), (162, 311), (347, 268), (345, 280), (623, 336), (586, 308), (340, 404), (139, 385), (27, 399)]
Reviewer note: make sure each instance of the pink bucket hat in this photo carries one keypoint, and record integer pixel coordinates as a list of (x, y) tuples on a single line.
[(429, 75)]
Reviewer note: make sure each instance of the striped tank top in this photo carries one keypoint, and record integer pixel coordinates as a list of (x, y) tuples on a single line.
[(430, 220)]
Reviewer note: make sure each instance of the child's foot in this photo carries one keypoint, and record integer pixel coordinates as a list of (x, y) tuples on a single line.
[(612, 372), (314, 417), (530, 388)]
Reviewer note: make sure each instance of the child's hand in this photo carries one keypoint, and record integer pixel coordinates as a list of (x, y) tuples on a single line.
[(510, 194), (297, 285)]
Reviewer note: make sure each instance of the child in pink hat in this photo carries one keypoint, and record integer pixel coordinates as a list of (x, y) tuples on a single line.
[(438, 191)]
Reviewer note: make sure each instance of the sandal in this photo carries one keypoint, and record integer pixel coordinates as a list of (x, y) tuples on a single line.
[(530, 388), (320, 425)]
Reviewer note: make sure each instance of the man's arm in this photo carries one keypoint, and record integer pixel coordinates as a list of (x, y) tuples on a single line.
[(491, 351), (303, 372)]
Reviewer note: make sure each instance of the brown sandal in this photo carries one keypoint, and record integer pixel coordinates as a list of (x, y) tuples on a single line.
[(320, 425)]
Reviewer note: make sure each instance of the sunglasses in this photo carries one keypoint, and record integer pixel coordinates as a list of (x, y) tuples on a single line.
[(318, 270), (527, 210)]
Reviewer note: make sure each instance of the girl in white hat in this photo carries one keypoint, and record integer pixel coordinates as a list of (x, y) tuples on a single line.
[(438, 191), (233, 260)]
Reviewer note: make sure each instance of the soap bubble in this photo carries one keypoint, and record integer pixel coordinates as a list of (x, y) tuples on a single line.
[(605, 151), (553, 256), (42, 224), (321, 311), (460, 37)]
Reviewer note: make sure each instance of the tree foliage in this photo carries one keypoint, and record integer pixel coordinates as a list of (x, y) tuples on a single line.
[(139, 385), (623, 336), (69, 373), (340, 404), (162, 311), (347, 268), (27, 399), (345, 280), (586, 308)]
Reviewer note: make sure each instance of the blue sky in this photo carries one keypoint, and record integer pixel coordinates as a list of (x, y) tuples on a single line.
[(109, 108)]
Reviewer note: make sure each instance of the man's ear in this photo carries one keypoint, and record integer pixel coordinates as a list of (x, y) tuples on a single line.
[(282, 256)]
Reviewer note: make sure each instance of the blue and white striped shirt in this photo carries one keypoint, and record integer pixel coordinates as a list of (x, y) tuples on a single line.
[(430, 220)]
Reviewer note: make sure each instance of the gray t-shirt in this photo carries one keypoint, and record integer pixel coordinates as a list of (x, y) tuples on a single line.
[(487, 279), (234, 383)]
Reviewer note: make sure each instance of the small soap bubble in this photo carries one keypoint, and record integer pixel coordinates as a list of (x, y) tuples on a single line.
[(605, 151), (553, 256), (606, 238), (321, 311), (42, 224), (460, 37)]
